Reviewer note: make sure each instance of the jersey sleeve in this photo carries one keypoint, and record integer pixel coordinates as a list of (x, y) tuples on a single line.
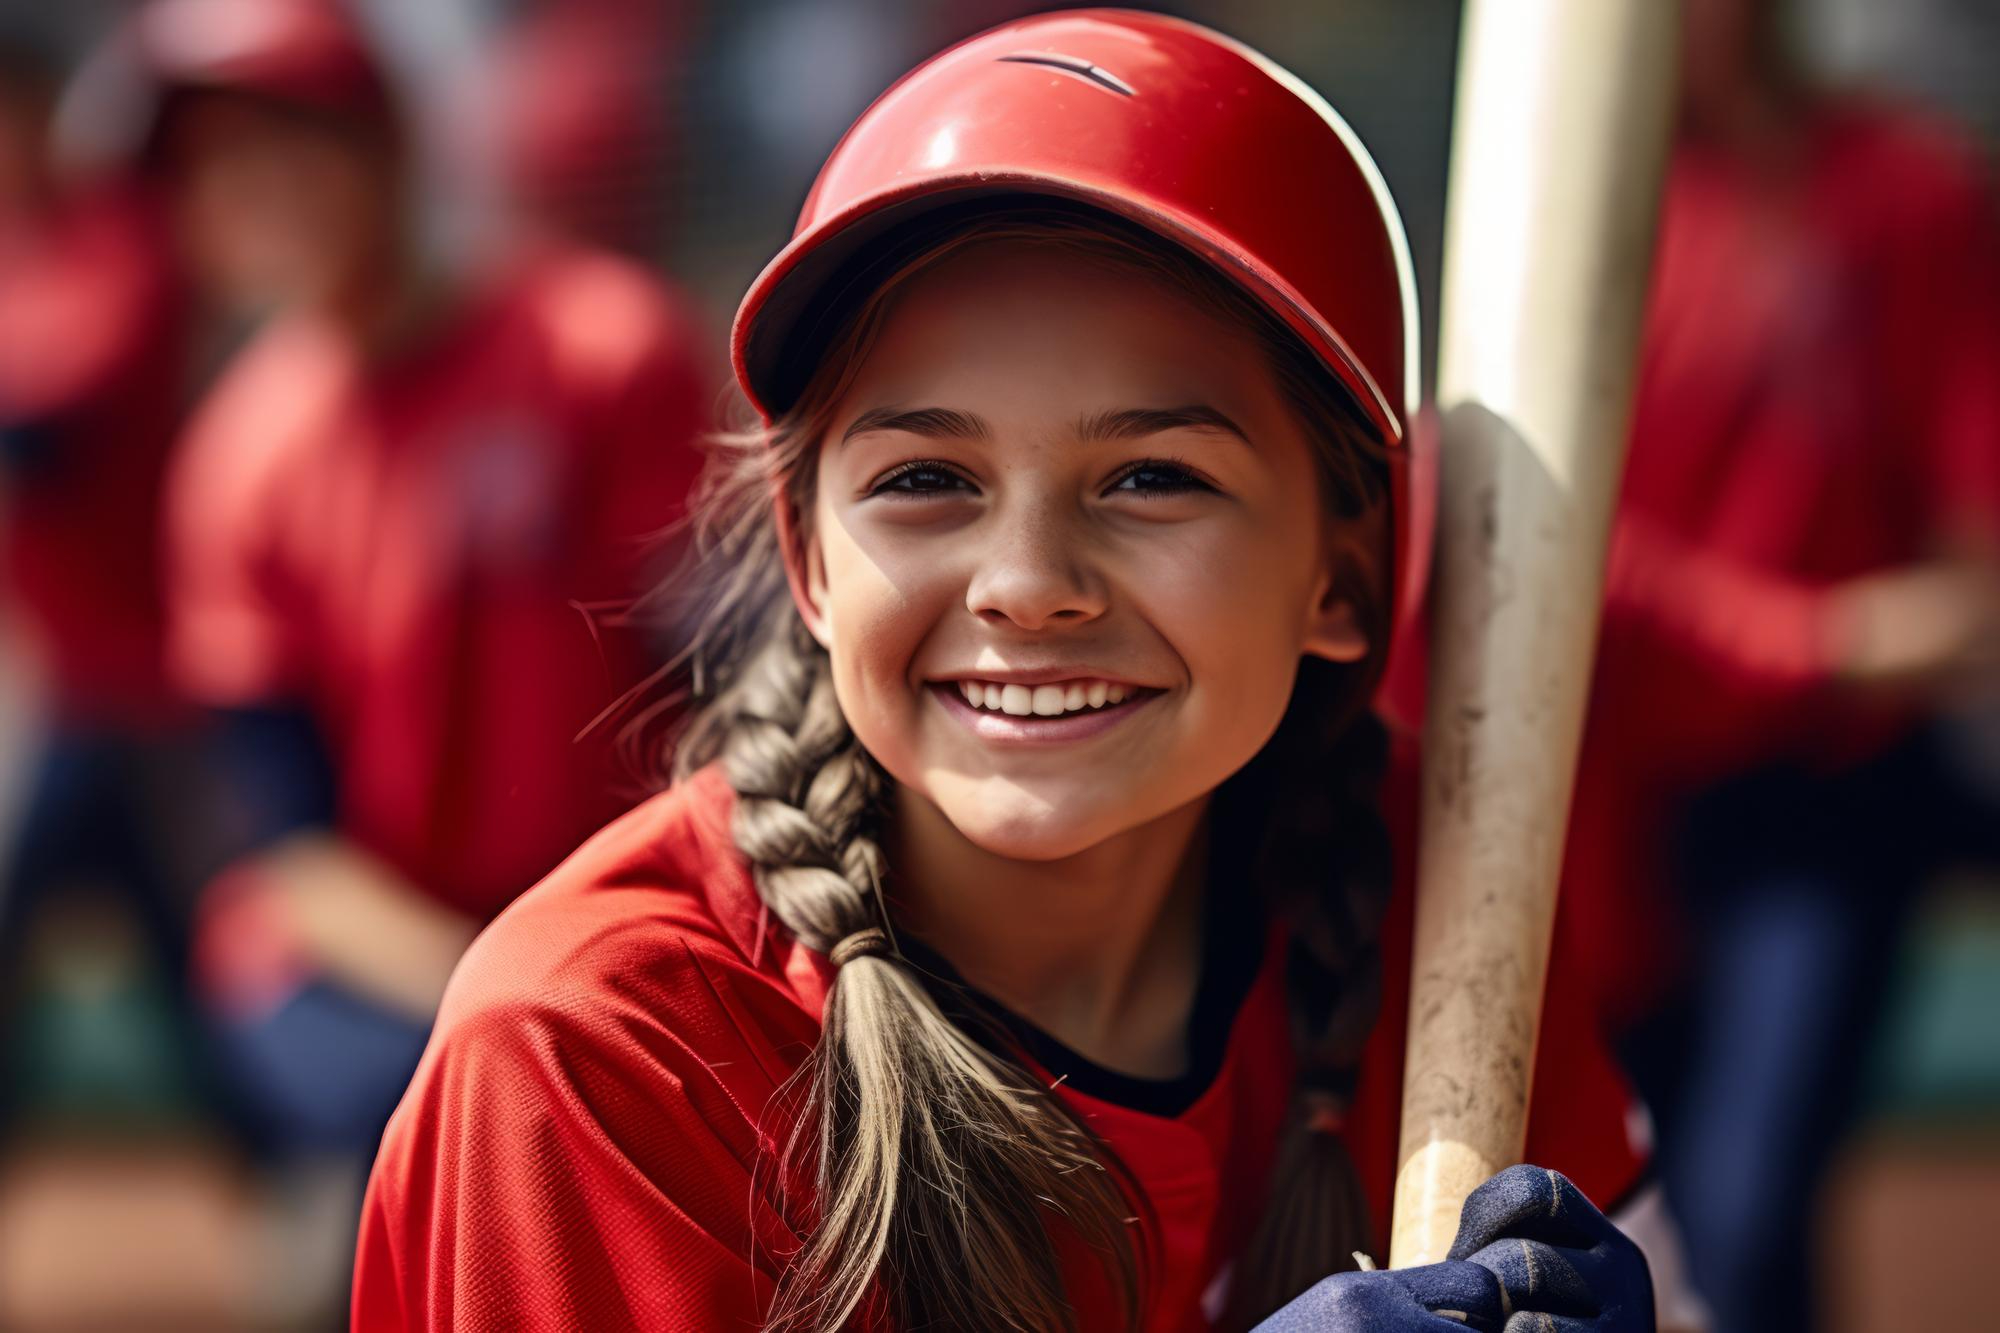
[(564, 1163), (73, 323), (1913, 271), (1753, 631), (1939, 337)]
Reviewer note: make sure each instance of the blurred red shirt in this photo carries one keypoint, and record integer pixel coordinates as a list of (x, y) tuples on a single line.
[(406, 550), (578, 1145), (92, 370), (1819, 398)]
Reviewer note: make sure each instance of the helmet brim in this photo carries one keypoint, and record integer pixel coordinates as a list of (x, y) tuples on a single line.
[(799, 301)]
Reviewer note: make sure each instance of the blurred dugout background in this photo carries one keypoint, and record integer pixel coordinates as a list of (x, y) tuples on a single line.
[(685, 135)]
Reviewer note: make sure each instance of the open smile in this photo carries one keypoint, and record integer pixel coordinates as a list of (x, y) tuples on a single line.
[(1053, 712)]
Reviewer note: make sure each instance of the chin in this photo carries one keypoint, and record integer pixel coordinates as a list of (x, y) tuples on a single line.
[(1026, 822)]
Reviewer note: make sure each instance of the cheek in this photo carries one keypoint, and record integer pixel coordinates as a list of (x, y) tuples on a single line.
[(1234, 612), (880, 602), (1233, 596)]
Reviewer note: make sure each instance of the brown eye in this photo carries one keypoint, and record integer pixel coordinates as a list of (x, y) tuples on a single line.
[(921, 478), (1158, 478)]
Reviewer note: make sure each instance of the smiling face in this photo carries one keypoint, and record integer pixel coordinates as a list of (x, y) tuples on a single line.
[(1067, 545)]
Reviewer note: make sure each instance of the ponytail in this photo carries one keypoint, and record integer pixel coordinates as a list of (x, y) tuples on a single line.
[(1325, 865), (939, 1165)]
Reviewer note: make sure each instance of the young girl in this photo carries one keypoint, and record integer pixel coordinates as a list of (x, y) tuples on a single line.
[(1007, 953)]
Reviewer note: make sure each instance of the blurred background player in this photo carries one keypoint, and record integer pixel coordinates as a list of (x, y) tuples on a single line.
[(93, 379), (390, 524), (1803, 571), (392, 512)]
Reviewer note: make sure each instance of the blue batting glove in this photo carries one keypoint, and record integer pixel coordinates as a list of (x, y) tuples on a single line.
[(1436, 1298), (1532, 1256), (1561, 1265)]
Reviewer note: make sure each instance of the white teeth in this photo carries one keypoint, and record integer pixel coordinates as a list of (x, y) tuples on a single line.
[(1042, 700)]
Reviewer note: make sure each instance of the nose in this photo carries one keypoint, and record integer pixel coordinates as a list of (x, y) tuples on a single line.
[(1036, 573)]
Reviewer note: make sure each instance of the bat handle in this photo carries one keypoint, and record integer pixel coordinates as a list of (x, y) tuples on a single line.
[(1559, 150)]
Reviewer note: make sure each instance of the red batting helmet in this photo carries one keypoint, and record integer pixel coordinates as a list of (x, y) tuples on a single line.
[(1166, 124)]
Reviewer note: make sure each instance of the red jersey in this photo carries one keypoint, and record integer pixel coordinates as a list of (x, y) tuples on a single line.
[(406, 549), (577, 1148), (1818, 399), (91, 361)]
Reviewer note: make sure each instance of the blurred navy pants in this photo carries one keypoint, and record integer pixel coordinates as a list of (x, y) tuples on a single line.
[(99, 816), (321, 1071), (1796, 888)]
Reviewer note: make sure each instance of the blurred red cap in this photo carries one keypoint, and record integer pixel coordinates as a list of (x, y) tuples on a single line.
[(306, 52)]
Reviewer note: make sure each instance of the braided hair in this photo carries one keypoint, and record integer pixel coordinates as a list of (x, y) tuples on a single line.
[(943, 1170)]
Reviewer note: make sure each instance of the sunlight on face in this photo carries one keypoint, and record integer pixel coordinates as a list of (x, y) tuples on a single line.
[(1067, 550)]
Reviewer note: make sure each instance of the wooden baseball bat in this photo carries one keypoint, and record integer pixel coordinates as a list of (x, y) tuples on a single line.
[(1559, 147)]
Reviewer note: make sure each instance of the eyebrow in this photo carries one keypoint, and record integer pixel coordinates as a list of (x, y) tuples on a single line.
[(1121, 424), (935, 422), (1136, 422)]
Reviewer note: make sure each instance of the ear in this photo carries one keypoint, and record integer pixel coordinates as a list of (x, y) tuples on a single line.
[(1334, 628), (805, 571)]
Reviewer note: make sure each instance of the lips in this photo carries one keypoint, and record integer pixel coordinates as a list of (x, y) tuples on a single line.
[(1017, 722), (1049, 699)]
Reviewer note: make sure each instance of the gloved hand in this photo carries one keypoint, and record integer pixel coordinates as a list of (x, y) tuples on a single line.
[(1448, 1297), (1532, 1255)]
